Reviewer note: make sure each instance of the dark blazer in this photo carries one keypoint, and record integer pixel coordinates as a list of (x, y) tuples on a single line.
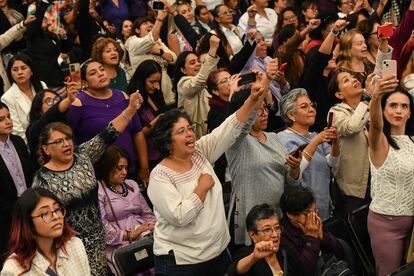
[(8, 192), (261, 268)]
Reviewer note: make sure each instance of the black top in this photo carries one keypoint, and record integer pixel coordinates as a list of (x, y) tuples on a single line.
[(262, 268)]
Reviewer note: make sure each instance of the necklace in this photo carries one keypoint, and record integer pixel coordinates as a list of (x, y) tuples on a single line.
[(297, 132), (124, 191), (261, 137)]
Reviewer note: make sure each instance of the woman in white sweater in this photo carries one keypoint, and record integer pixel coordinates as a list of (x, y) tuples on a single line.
[(191, 233)]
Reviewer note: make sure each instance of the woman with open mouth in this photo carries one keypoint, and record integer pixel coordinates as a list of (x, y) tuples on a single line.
[(69, 174), (191, 233)]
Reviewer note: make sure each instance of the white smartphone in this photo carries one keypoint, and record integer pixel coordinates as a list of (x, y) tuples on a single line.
[(389, 68)]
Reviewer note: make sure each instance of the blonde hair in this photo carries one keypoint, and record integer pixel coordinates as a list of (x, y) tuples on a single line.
[(345, 45)]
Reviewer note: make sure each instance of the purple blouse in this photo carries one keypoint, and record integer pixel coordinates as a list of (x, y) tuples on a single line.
[(95, 114), (115, 14), (131, 211)]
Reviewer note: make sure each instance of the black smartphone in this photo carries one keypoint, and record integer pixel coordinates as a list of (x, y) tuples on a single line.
[(247, 78), (330, 119), (158, 5), (298, 150)]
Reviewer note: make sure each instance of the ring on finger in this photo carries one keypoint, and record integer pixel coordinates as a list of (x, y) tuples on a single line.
[(386, 82)]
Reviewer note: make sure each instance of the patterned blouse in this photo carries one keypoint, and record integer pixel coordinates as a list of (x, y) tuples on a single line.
[(78, 190)]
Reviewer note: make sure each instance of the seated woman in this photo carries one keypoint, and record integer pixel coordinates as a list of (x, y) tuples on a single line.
[(190, 78), (147, 80), (318, 157), (20, 95), (70, 175), (124, 211), (108, 52), (264, 257), (303, 232), (41, 241), (191, 234)]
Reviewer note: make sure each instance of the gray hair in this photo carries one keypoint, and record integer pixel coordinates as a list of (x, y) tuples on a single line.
[(288, 103)]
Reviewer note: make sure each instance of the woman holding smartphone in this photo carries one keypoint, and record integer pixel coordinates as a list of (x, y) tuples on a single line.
[(391, 150), (318, 157)]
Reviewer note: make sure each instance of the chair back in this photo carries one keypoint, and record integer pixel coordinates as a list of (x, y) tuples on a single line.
[(405, 270), (357, 221), (134, 258)]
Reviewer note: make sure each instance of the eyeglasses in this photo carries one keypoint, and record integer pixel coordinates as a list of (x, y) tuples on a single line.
[(59, 142), (307, 106), (265, 108), (225, 81), (269, 230), (183, 130), (51, 101), (289, 18), (47, 217)]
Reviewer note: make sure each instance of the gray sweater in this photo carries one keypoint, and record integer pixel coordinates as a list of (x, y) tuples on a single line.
[(259, 175)]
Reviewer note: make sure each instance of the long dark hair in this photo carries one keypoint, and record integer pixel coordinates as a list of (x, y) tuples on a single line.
[(137, 82), (179, 64), (409, 126), (34, 79), (37, 103), (22, 236)]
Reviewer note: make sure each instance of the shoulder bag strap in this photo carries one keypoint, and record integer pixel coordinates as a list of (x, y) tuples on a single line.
[(110, 204)]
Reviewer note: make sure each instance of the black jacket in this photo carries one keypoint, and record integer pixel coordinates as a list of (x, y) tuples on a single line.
[(8, 191)]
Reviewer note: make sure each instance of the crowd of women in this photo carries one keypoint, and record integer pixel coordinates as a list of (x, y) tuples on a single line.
[(218, 127)]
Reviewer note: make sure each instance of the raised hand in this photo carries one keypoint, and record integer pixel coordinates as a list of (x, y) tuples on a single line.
[(135, 100), (264, 249), (312, 225), (385, 85)]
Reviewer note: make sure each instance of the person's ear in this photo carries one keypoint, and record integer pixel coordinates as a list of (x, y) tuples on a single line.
[(253, 236), (183, 70), (291, 117), (339, 95)]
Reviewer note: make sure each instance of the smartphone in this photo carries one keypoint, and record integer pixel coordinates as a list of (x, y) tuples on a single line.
[(157, 5), (385, 30), (298, 150), (74, 72), (330, 119), (282, 67), (247, 78), (389, 68)]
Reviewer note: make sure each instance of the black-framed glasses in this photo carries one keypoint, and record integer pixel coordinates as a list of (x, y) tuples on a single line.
[(265, 107), (59, 142), (47, 216), (269, 230), (51, 101)]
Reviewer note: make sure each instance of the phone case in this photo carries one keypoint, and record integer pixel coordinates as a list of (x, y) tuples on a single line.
[(389, 68)]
